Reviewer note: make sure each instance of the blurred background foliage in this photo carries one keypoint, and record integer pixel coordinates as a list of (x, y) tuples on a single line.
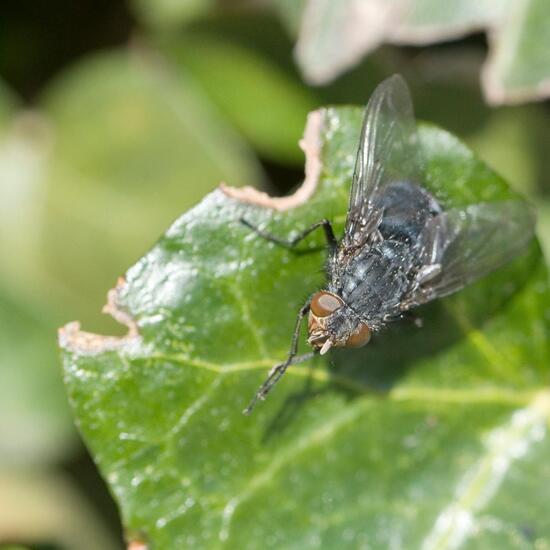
[(117, 116)]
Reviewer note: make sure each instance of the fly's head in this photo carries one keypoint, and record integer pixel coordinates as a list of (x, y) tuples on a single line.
[(332, 323)]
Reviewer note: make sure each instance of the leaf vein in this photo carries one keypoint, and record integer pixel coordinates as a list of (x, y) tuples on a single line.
[(503, 446), (317, 436)]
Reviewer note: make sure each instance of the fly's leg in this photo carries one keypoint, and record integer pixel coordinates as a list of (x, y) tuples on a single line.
[(274, 375), (278, 370), (291, 243)]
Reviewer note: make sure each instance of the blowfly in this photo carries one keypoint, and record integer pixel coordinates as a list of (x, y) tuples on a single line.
[(400, 248)]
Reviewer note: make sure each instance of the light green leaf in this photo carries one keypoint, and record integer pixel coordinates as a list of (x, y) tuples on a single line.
[(334, 36), (428, 21), (519, 68), (544, 227), (427, 438), (121, 146), (35, 422)]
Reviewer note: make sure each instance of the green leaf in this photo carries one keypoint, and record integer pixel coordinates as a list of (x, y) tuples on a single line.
[(167, 14), (425, 21), (508, 140), (425, 438), (290, 12), (334, 36), (120, 146), (35, 422), (8, 103), (519, 68), (265, 103), (544, 226)]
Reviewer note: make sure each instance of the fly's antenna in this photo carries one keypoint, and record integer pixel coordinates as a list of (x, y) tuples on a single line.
[(274, 376)]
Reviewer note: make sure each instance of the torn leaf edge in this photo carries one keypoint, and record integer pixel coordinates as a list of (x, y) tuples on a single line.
[(311, 145), (72, 338)]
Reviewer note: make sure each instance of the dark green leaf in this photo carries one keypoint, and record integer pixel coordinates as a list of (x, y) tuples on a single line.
[(290, 12), (8, 103), (167, 14), (426, 438)]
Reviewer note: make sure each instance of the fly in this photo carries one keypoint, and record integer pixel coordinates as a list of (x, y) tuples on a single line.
[(400, 248)]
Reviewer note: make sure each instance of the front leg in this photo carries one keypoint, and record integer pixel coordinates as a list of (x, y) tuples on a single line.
[(291, 243), (277, 371)]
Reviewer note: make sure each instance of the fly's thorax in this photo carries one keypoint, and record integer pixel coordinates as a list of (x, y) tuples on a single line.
[(332, 323)]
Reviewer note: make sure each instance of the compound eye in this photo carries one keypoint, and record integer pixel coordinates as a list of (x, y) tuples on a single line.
[(360, 337), (323, 303)]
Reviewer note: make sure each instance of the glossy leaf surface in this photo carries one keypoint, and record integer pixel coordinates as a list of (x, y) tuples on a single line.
[(426, 438)]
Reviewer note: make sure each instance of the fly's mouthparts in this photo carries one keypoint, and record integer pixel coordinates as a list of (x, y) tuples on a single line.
[(317, 340), (326, 346)]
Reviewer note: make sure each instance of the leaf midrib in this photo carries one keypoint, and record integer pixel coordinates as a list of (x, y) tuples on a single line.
[(485, 394)]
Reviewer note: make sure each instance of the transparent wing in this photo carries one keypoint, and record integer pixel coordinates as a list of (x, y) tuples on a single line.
[(471, 242), (388, 152)]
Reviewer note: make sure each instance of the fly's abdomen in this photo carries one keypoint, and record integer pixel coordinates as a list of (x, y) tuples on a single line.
[(406, 207)]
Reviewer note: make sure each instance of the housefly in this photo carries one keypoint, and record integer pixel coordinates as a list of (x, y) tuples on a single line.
[(400, 248)]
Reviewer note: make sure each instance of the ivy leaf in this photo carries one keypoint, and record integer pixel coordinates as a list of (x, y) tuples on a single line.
[(334, 36), (108, 147), (426, 438), (518, 69), (115, 122)]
